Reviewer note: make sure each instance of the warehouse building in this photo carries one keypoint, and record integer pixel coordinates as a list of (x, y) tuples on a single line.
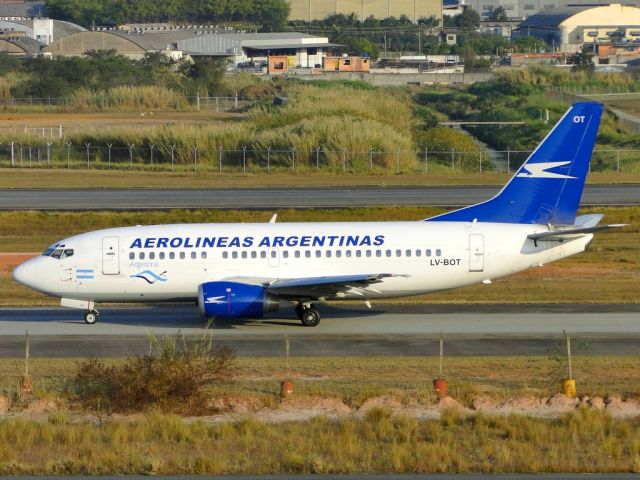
[(300, 49), (568, 29), (308, 10), (521, 9)]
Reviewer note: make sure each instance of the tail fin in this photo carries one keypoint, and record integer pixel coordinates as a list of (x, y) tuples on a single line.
[(548, 186)]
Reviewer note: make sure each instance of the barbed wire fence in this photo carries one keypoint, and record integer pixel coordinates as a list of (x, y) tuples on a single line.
[(194, 158)]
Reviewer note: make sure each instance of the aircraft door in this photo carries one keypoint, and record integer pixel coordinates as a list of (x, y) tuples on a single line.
[(110, 256), (476, 252)]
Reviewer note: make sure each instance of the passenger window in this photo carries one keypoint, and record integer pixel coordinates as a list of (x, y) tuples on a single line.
[(254, 255), (193, 255), (234, 254), (141, 256), (161, 255), (172, 255), (244, 254), (274, 254), (408, 252), (428, 252), (132, 255), (318, 253), (348, 253), (285, 254), (328, 253), (225, 254), (368, 253), (398, 253), (378, 253), (152, 255), (438, 252), (263, 254), (307, 253), (358, 253), (338, 253), (203, 255), (418, 253), (388, 253), (182, 256), (297, 254)]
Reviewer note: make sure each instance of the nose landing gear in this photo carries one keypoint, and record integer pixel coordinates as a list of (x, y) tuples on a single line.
[(91, 317), (308, 314)]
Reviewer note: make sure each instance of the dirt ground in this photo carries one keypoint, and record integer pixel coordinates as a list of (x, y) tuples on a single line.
[(9, 261), (305, 408)]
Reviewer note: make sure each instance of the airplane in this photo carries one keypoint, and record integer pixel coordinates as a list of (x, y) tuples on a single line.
[(247, 270)]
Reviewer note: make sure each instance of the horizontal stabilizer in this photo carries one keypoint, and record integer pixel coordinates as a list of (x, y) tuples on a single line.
[(564, 234)]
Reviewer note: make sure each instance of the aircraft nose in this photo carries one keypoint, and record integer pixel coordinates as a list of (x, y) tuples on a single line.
[(25, 273)]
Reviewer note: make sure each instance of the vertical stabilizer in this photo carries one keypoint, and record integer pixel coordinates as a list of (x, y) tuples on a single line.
[(548, 186)]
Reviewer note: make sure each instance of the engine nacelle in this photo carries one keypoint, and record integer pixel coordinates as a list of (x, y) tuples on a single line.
[(233, 300)]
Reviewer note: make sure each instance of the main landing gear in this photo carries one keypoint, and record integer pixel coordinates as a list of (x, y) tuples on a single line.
[(91, 317), (308, 314)]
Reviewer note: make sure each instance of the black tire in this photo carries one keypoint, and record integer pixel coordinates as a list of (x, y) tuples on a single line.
[(310, 317), (91, 317)]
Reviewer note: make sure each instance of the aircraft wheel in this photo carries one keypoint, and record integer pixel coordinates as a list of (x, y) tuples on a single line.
[(91, 317), (310, 317)]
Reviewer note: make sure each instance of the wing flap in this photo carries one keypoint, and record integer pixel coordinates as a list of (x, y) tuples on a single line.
[(328, 286)]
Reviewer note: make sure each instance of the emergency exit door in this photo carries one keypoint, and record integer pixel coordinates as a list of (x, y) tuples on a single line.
[(476, 252), (110, 256)]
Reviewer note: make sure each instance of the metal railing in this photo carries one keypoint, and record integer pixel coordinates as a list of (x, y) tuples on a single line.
[(277, 159), (137, 102)]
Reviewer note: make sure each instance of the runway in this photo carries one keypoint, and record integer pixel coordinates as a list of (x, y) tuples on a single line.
[(344, 331), (273, 198)]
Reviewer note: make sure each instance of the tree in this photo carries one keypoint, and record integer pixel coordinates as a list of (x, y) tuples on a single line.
[(207, 74), (469, 19), (498, 14), (364, 47), (583, 61)]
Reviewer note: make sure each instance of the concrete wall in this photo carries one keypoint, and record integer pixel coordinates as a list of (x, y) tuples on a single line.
[(319, 9), (397, 79)]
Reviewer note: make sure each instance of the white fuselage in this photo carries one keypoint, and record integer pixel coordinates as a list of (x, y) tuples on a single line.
[(169, 262)]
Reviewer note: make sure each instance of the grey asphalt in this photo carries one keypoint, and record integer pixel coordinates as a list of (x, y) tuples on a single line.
[(272, 198), (344, 331)]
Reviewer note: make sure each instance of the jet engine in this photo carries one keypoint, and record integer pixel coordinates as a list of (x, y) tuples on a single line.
[(233, 300)]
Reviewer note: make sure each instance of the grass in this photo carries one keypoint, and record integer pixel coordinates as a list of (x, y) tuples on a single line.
[(354, 380), (378, 443), (608, 272)]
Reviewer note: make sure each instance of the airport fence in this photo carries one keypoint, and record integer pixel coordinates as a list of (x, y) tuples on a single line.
[(138, 103), (277, 160)]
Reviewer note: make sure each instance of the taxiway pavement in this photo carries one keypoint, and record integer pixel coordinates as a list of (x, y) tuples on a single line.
[(272, 198), (344, 330)]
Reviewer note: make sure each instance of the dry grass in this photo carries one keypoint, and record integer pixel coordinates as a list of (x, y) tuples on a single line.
[(378, 443)]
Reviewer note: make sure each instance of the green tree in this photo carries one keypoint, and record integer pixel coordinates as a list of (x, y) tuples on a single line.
[(469, 19), (498, 14), (363, 46), (583, 61), (207, 75)]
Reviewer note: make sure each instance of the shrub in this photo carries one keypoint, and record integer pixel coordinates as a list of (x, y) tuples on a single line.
[(170, 379)]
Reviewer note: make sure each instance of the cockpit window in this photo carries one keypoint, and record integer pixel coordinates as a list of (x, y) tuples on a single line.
[(57, 252)]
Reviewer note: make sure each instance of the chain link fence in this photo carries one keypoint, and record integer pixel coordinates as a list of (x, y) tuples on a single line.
[(247, 160)]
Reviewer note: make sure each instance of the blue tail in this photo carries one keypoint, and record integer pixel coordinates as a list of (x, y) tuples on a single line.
[(548, 186)]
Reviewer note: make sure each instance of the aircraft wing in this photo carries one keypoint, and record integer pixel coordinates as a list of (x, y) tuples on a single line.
[(319, 287)]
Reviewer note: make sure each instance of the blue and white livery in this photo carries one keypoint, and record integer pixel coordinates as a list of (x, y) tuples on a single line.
[(247, 270)]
